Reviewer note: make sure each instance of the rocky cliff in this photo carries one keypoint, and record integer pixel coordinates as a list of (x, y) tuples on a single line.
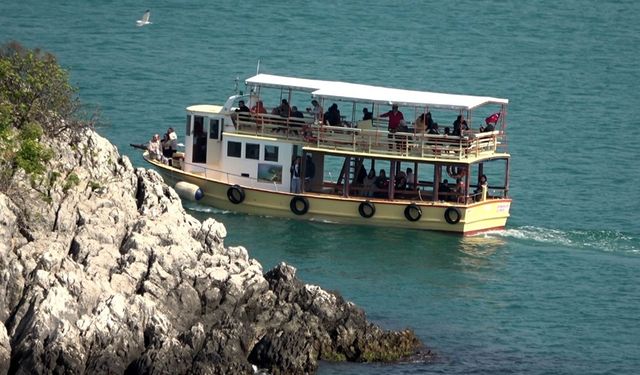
[(102, 271)]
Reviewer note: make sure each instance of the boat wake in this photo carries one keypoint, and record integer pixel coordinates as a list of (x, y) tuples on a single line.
[(603, 240)]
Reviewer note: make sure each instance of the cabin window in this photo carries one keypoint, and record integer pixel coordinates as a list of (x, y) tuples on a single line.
[(214, 128), (234, 149), (188, 128), (271, 153), (252, 151)]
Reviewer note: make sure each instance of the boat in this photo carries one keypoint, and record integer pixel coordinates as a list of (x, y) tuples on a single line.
[(241, 158)]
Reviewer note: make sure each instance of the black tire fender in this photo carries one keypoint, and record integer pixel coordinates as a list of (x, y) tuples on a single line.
[(299, 205), (452, 215), (366, 209), (413, 212), (235, 194)]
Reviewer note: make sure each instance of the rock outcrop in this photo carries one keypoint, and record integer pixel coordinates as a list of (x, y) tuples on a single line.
[(102, 271)]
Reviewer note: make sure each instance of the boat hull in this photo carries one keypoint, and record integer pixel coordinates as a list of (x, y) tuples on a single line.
[(469, 219)]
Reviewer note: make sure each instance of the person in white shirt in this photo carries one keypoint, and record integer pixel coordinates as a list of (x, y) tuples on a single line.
[(411, 178), (169, 143), (154, 148)]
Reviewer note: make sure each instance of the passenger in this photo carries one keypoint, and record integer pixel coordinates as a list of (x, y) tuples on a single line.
[(491, 122), (411, 178), (317, 110), (170, 144), (488, 128), (482, 184), (242, 107), (296, 113), (381, 182), (444, 190), (456, 126), (424, 123), (309, 171), (369, 182), (401, 181), (155, 149), (258, 108), (283, 110), (332, 117), (295, 176), (395, 116), (366, 115), (447, 131), (361, 175), (459, 126)]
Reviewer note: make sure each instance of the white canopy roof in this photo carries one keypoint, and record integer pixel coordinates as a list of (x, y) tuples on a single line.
[(374, 94), (302, 84)]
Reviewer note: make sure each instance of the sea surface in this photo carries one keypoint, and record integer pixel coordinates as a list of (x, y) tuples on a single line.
[(558, 292)]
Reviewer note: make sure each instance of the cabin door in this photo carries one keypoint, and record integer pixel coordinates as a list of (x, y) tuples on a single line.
[(199, 140)]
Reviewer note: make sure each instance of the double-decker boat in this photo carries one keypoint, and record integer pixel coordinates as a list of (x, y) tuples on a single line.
[(294, 164)]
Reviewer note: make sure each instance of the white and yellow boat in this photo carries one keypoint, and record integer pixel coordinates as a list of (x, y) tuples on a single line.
[(241, 161)]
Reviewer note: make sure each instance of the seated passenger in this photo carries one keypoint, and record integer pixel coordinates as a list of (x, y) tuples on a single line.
[(242, 107), (381, 182), (155, 149), (332, 116), (444, 190), (366, 115), (459, 125), (296, 113), (258, 108), (283, 110), (488, 128), (401, 181)]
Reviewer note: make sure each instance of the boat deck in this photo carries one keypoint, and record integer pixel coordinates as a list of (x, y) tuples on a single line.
[(470, 147)]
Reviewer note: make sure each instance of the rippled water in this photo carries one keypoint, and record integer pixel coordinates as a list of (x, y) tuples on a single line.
[(554, 293)]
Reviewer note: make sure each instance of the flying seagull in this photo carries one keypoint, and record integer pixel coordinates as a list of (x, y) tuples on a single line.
[(145, 19)]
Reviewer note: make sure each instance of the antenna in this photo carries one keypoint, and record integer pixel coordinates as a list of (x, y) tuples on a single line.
[(258, 68), (237, 79)]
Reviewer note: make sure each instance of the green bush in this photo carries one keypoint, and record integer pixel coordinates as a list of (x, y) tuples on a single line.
[(36, 101)]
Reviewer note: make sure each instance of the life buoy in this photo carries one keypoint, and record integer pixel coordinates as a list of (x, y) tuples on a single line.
[(366, 209), (452, 215), (412, 212), (235, 194), (456, 172), (299, 205)]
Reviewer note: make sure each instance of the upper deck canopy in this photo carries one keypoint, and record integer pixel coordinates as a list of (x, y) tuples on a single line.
[(374, 94)]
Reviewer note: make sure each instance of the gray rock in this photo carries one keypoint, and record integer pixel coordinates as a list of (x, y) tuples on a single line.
[(111, 275)]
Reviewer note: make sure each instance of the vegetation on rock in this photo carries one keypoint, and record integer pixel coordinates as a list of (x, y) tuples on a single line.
[(36, 101)]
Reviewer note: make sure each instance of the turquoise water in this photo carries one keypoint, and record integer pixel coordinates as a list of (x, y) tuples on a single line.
[(557, 292)]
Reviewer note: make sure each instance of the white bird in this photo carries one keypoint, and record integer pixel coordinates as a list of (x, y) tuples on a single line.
[(145, 19)]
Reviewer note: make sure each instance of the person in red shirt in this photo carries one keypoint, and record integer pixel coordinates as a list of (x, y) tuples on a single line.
[(395, 117)]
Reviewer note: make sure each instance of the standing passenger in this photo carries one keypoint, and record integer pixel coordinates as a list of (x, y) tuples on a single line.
[(395, 117), (316, 110), (295, 176)]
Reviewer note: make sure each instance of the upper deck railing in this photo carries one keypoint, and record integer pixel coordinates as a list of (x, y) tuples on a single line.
[(470, 146)]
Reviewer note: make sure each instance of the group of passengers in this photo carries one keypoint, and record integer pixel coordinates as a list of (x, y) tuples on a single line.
[(163, 150), (377, 186), (424, 123)]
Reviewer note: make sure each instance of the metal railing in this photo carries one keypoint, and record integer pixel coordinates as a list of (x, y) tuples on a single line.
[(404, 144)]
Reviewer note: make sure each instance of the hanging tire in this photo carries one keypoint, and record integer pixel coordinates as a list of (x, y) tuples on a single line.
[(299, 205), (235, 194), (366, 209), (412, 212), (452, 215)]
